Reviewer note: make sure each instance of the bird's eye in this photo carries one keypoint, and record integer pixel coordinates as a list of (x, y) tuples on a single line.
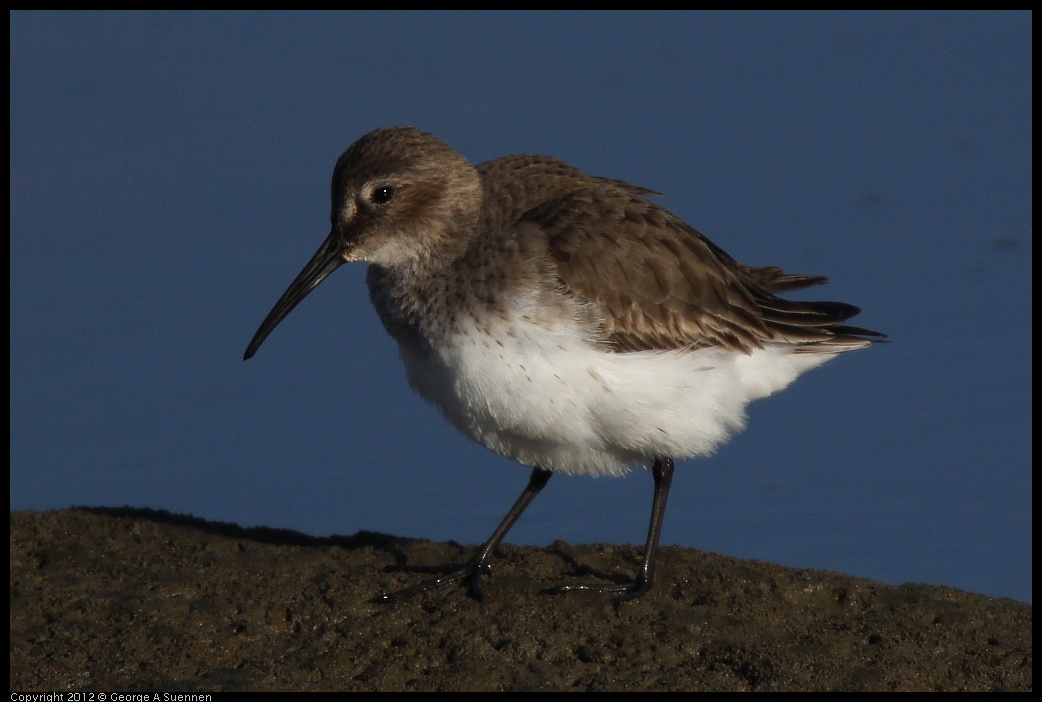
[(382, 195)]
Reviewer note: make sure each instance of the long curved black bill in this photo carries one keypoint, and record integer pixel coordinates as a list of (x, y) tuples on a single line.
[(327, 259)]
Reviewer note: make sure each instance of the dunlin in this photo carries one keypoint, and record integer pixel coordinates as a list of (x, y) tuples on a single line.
[(562, 319)]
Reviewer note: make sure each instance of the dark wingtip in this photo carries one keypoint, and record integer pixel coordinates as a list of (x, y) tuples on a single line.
[(873, 336)]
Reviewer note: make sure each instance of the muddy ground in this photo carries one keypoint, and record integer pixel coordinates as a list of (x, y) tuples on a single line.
[(124, 599)]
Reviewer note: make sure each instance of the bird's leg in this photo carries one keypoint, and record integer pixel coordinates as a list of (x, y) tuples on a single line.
[(663, 474), (479, 564)]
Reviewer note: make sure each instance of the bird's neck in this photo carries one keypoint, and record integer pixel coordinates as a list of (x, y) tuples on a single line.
[(419, 302)]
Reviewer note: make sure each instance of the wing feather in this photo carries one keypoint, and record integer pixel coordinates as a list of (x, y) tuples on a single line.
[(651, 280)]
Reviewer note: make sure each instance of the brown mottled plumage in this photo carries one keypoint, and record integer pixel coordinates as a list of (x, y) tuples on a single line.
[(562, 319), (656, 281)]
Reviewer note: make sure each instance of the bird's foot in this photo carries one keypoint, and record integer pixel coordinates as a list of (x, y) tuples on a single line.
[(471, 572), (629, 591)]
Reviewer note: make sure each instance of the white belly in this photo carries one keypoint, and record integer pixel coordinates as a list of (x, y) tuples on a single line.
[(548, 397)]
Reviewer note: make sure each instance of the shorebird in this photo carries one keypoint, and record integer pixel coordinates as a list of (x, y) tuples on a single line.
[(562, 319)]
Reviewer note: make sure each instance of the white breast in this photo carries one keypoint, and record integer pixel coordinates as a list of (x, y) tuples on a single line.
[(546, 396)]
